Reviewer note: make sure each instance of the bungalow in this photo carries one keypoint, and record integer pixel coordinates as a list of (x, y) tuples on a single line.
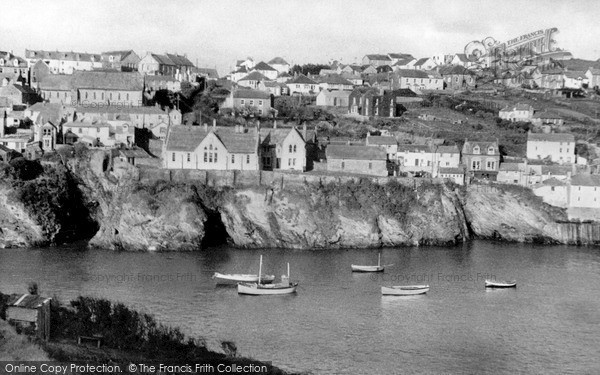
[(482, 159), (280, 65), (301, 84), (376, 60), (201, 147), (266, 70), (456, 175), (334, 98), (386, 143), (518, 112), (559, 148), (335, 82), (357, 159)]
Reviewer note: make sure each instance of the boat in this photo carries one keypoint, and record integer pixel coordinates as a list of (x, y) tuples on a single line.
[(500, 284), (377, 268), (258, 288), (407, 290), (225, 278)]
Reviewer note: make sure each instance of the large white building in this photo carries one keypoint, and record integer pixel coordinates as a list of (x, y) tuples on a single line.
[(558, 147)]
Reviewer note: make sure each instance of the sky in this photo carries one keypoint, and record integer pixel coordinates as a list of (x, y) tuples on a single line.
[(217, 33)]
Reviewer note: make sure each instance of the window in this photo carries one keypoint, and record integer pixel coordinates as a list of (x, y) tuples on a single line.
[(343, 165), (491, 165), (232, 159), (247, 159), (290, 149), (476, 150), (210, 157), (173, 157), (294, 148), (490, 151), (289, 162), (189, 157), (242, 102), (416, 162), (251, 102), (560, 150), (94, 95), (205, 155), (86, 95), (260, 102), (294, 161), (79, 130), (216, 156), (370, 165), (476, 165)]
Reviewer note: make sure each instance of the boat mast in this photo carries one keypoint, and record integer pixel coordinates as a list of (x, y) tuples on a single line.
[(259, 269), (379, 261), (288, 271)]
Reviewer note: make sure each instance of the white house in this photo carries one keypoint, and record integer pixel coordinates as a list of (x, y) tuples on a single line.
[(285, 149), (575, 79), (303, 85), (280, 64), (426, 63), (558, 147), (64, 62), (585, 191), (387, 143), (417, 158), (518, 112), (447, 156), (334, 98), (266, 70), (456, 175)]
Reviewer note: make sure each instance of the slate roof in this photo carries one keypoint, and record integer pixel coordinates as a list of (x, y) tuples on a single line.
[(355, 152), (483, 146), (379, 57), (209, 72), (551, 137), (553, 182), (250, 94), (254, 76), (135, 152), (185, 138), (462, 57), (414, 148), (381, 140), (179, 60), (334, 79), (58, 55), (547, 114), (448, 149), (410, 73), (52, 112), (447, 170), (279, 61), (159, 78), (336, 93), (28, 301), (456, 69), (119, 109), (126, 81), (421, 61), (162, 59), (557, 170), (575, 74), (405, 56), (301, 78), (585, 180), (56, 82), (238, 143), (510, 167), (263, 66)]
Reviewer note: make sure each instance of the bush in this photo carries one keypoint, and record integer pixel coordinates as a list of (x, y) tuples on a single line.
[(24, 170)]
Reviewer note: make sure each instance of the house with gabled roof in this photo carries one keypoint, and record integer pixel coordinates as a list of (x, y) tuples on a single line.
[(447, 156), (518, 112), (257, 100), (357, 159), (593, 77), (335, 82), (274, 88), (417, 158), (387, 143), (178, 66), (458, 77), (416, 80), (266, 70), (482, 159), (287, 148), (333, 98), (61, 62), (126, 60), (19, 94), (547, 117), (57, 88), (396, 57), (14, 65), (212, 148), (279, 64), (376, 60), (558, 147), (301, 84), (574, 79), (252, 80), (425, 63), (209, 74)]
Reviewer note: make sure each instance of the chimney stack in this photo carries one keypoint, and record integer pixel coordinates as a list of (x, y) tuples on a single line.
[(205, 127), (214, 123), (304, 131), (274, 124)]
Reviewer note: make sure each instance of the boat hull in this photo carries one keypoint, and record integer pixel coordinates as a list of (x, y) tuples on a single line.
[(273, 289), (222, 278), (500, 284), (411, 290), (356, 268)]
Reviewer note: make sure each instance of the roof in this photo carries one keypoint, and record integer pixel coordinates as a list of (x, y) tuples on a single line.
[(238, 143), (162, 59), (410, 73), (456, 69), (414, 148), (278, 61), (118, 109), (560, 170), (126, 81), (405, 61), (301, 78), (483, 146), (28, 301), (585, 180), (336, 93), (517, 107), (551, 137), (254, 76), (335, 79), (379, 57), (263, 66), (57, 82), (547, 115), (52, 112), (448, 149), (553, 182), (421, 61), (406, 56), (381, 140), (149, 78), (510, 167), (185, 138), (251, 94), (575, 74), (135, 152), (180, 60), (462, 57), (209, 72), (443, 170), (59, 55), (86, 124), (355, 152)]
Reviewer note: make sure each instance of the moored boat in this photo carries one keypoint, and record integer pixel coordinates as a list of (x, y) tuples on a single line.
[(226, 278), (404, 290), (500, 284), (377, 268), (258, 288)]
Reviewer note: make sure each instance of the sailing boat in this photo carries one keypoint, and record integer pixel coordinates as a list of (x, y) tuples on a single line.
[(377, 268), (256, 289)]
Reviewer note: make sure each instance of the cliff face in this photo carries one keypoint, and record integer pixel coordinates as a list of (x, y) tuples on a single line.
[(347, 215)]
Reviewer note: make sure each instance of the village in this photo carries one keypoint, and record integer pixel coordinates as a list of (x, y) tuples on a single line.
[(465, 117)]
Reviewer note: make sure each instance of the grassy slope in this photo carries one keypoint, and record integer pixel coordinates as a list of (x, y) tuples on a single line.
[(14, 347)]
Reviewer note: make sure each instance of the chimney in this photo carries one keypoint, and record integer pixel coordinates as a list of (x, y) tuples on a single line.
[(274, 124), (258, 125), (304, 131), (214, 126), (205, 127)]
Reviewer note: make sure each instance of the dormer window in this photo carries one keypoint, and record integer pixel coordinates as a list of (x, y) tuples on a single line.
[(476, 150), (16, 62), (1, 61), (490, 151)]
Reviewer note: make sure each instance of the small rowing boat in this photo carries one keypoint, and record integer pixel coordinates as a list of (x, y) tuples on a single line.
[(234, 278), (377, 268), (500, 284), (406, 290)]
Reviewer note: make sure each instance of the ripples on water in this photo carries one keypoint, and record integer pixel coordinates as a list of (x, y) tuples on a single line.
[(338, 322)]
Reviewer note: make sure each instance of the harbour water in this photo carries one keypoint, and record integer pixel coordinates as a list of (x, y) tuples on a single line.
[(338, 322)]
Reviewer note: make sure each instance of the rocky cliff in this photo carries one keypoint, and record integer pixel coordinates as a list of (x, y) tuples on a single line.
[(105, 198)]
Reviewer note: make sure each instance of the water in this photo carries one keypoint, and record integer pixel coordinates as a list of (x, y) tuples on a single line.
[(338, 322)]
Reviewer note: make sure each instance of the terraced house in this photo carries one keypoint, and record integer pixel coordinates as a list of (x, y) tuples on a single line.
[(557, 147), (64, 62), (173, 65), (482, 159)]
